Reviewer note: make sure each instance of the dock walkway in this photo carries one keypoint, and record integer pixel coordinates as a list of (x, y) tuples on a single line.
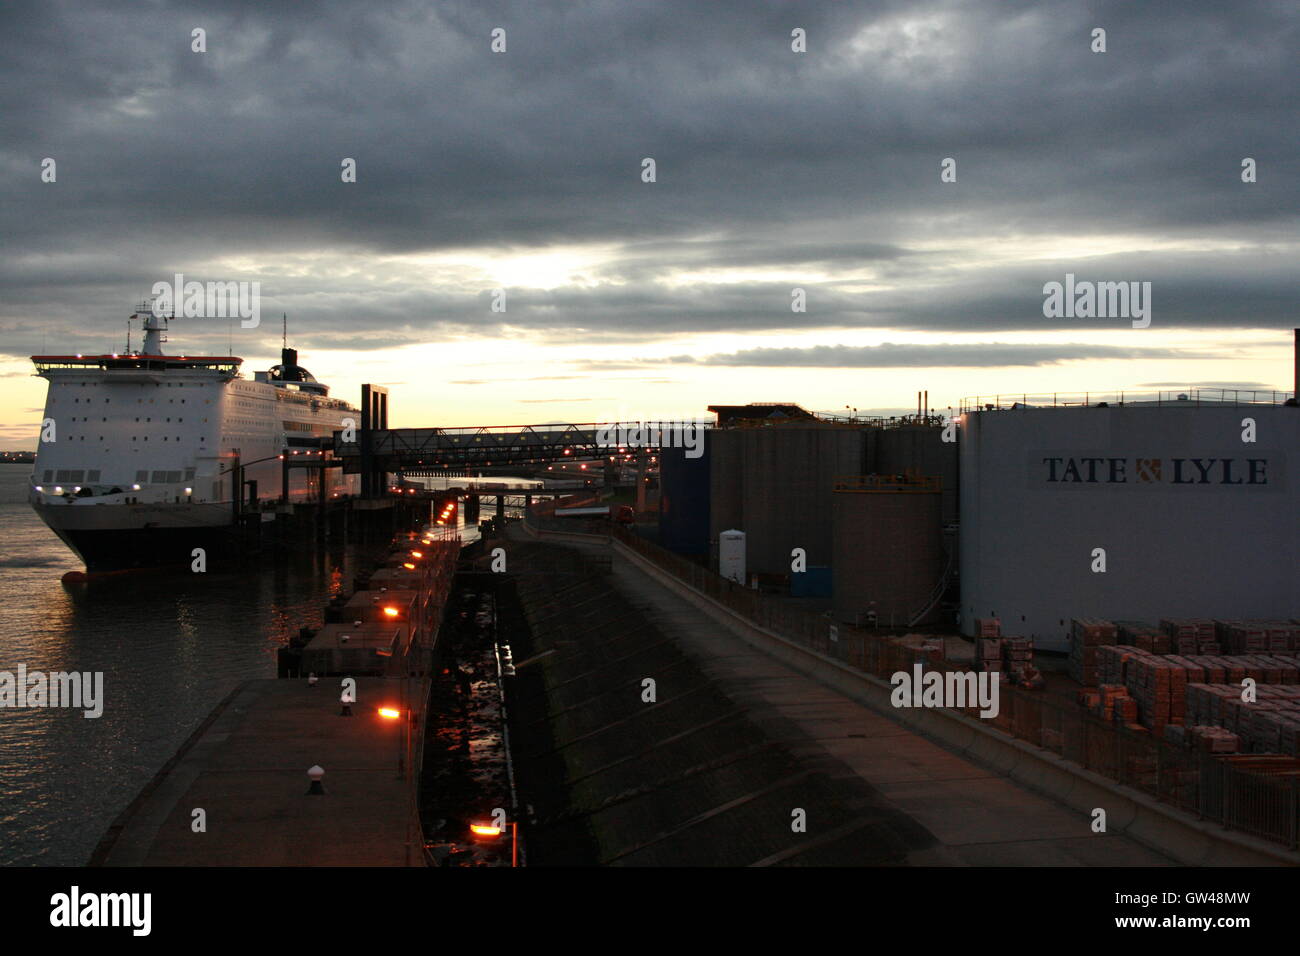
[(246, 768), (941, 808)]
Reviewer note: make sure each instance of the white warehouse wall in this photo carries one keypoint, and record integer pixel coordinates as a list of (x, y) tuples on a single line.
[(1194, 521)]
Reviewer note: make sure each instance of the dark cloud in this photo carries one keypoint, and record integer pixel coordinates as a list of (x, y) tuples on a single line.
[(890, 355), (225, 165)]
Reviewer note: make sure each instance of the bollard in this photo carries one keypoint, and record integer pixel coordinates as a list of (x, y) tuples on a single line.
[(315, 774)]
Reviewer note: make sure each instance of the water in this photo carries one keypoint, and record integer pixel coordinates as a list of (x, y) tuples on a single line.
[(170, 647)]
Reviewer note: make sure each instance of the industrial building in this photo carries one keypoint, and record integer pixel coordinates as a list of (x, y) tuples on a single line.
[(1177, 506), (841, 491), (1139, 511)]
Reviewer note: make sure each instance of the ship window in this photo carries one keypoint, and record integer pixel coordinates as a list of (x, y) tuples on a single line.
[(92, 475), (189, 474), (159, 477), (173, 476), (49, 475), (140, 476)]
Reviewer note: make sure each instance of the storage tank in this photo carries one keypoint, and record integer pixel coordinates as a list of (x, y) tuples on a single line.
[(731, 555), (684, 500), (789, 473), (888, 548), (919, 448), (1192, 519), (726, 471)]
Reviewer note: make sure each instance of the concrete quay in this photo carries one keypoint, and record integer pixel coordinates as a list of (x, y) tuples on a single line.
[(246, 769)]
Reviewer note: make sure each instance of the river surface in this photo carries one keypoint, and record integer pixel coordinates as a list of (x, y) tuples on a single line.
[(170, 647)]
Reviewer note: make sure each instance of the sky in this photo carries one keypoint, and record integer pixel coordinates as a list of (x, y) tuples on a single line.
[(775, 170)]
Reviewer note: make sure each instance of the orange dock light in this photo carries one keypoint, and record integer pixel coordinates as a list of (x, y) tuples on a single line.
[(389, 713), (409, 566), (485, 830), (417, 554), (390, 612)]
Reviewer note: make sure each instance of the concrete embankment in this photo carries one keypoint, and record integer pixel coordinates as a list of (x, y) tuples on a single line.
[(1044, 785)]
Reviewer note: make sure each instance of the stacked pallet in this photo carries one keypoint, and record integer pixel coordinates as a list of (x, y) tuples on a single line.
[(1143, 636), (901, 652), (1115, 703), (1159, 683), (1086, 635), (1259, 637), (988, 653), (1271, 724), (1112, 662), (1212, 740), (1191, 635), (988, 627)]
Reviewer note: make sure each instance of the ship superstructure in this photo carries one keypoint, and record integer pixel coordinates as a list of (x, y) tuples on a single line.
[(142, 453)]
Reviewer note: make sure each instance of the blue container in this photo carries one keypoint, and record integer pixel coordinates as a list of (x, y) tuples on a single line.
[(684, 501), (815, 582)]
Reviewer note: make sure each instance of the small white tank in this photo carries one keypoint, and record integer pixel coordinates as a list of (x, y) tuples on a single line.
[(731, 555)]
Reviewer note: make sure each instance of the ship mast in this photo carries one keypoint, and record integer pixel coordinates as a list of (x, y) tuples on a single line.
[(154, 327)]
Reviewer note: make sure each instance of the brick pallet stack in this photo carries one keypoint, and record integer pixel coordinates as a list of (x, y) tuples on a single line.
[(1086, 635), (902, 652), (1113, 663), (1242, 637), (1259, 637), (1283, 636), (988, 653), (1193, 635), (988, 644), (1269, 725), (1212, 740), (1018, 662), (1159, 682), (1143, 636), (1114, 703)]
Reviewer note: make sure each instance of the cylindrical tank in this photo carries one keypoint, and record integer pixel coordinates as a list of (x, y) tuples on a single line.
[(684, 500), (789, 472), (888, 548), (731, 555), (726, 472)]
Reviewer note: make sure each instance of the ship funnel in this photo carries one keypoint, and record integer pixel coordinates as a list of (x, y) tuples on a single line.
[(288, 357)]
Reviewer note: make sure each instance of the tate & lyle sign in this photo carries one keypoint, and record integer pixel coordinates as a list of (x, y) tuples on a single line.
[(1054, 469)]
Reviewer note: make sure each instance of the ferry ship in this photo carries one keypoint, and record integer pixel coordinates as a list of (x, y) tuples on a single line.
[(142, 453)]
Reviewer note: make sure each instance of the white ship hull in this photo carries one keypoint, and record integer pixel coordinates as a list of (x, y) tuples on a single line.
[(141, 456)]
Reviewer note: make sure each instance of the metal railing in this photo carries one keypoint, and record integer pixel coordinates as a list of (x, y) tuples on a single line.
[(1180, 398)]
